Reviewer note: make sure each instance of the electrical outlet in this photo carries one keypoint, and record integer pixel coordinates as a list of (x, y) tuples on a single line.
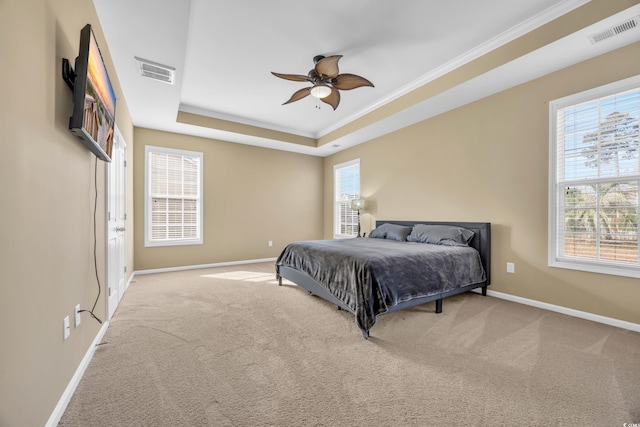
[(270, 243), (511, 267), (66, 328), (77, 315)]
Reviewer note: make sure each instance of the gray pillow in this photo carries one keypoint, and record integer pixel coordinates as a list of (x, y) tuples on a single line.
[(446, 235), (391, 232)]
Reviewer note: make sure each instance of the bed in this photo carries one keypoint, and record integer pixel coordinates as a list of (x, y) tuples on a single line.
[(400, 265)]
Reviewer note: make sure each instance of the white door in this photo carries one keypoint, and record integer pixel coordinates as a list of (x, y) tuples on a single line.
[(116, 220)]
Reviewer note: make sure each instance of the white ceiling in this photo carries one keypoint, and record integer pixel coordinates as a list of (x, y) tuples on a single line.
[(224, 51)]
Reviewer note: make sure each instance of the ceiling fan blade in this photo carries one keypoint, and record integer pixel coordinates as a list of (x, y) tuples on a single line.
[(332, 99), (350, 81), (298, 95), (328, 66), (294, 77)]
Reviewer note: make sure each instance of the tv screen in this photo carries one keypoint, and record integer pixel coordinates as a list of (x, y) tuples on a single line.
[(94, 101)]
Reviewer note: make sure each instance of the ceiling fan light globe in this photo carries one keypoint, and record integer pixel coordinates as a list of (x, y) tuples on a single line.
[(320, 91)]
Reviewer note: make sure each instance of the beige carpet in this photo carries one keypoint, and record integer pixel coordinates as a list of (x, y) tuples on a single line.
[(228, 347)]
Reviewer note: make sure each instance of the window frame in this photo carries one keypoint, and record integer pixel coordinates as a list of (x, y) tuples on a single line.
[(338, 203), (555, 235), (148, 241)]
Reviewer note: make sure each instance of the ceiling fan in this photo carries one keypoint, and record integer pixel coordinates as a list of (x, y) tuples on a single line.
[(326, 80)]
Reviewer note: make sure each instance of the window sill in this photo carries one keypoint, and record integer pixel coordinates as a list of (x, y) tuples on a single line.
[(613, 270), (172, 243)]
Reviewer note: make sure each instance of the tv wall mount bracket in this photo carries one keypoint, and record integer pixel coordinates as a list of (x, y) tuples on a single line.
[(68, 75)]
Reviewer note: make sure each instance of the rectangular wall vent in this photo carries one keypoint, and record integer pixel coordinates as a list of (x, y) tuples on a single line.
[(155, 71), (629, 24)]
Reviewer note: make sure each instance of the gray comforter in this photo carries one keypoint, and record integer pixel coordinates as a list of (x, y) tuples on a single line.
[(373, 275)]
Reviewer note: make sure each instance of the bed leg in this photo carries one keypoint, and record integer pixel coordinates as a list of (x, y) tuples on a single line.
[(484, 291), (439, 305), (279, 280)]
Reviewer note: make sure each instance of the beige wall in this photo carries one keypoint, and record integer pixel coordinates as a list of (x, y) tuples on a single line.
[(488, 161), (46, 216), (251, 195)]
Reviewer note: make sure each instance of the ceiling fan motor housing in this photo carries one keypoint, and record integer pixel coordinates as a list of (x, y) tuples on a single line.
[(318, 79)]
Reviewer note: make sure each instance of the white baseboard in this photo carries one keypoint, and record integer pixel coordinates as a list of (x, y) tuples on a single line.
[(126, 286), (195, 267), (564, 310), (58, 411)]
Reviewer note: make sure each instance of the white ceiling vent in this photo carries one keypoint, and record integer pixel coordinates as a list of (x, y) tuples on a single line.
[(155, 71), (627, 25)]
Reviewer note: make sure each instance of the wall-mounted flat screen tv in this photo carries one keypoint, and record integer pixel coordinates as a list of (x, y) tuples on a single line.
[(94, 102)]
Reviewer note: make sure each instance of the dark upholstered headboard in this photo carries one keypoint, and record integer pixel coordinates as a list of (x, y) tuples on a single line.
[(481, 241)]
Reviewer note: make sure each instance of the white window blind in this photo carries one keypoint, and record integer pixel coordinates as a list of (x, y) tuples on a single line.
[(346, 187), (595, 180), (173, 197)]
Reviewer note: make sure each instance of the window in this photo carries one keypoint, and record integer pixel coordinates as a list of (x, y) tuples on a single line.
[(594, 180), (173, 197), (346, 179)]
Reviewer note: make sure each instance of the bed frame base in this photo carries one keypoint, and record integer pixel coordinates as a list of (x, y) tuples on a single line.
[(305, 281)]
